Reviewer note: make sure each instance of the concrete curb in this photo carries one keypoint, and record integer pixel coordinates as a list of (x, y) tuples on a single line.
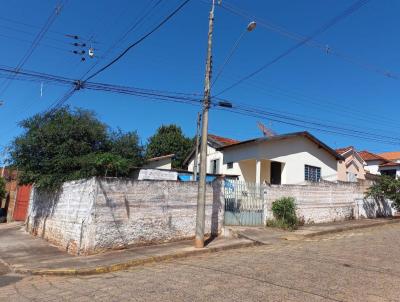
[(130, 263), (340, 229)]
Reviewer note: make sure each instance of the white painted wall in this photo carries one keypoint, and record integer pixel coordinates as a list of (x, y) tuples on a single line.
[(295, 153), (163, 163), (213, 154), (373, 166)]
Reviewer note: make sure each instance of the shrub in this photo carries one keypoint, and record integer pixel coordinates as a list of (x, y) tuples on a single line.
[(284, 211), (386, 187), (2, 188)]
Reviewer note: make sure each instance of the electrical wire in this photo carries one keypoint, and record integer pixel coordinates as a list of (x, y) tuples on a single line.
[(131, 28), (326, 48), (350, 10), (139, 40), (34, 44)]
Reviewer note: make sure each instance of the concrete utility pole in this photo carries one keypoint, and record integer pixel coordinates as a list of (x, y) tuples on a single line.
[(201, 196), (195, 164)]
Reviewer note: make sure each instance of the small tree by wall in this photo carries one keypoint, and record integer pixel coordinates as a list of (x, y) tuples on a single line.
[(70, 144), (386, 187)]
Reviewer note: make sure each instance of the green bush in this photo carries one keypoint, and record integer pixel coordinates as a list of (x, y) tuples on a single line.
[(284, 211), (3, 191), (386, 187)]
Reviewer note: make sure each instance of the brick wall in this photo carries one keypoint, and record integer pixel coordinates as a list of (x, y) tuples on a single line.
[(327, 202), (93, 215)]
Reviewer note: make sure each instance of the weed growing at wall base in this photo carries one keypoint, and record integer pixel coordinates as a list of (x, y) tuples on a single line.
[(284, 211)]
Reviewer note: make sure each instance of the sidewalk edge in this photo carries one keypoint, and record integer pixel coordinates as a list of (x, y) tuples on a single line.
[(340, 229), (101, 269)]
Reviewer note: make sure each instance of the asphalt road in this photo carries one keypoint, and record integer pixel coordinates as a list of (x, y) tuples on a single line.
[(361, 265)]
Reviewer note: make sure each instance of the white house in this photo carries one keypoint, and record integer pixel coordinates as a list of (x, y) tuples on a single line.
[(376, 164), (214, 157), (293, 158), (161, 162)]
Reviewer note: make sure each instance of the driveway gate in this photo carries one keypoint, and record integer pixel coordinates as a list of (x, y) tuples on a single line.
[(244, 203)]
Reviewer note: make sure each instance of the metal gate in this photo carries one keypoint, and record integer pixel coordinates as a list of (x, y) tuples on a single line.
[(244, 203)]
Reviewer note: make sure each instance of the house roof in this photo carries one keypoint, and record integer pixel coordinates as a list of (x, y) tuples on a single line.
[(344, 150), (390, 164), (221, 141), (390, 155), (161, 157), (366, 155), (286, 136), (215, 141)]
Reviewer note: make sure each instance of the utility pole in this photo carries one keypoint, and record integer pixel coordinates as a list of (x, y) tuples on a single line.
[(201, 196), (195, 167)]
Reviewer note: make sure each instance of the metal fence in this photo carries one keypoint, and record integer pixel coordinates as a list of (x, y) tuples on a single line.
[(244, 203)]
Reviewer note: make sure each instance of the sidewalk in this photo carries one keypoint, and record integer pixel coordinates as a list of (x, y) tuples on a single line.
[(272, 235), (23, 253)]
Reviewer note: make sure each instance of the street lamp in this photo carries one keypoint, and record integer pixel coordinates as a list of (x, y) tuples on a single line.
[(250, 27), (201, 196)]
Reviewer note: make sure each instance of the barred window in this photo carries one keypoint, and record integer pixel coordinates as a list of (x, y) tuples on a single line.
[(312, 173)]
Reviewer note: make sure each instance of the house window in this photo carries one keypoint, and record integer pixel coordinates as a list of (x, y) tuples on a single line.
[(391, 173), (214, 169), (230, 165), (312, 173), (352, 177)]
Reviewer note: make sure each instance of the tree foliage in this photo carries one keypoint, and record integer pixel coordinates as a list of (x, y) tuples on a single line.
[(386, 187), (169, 139), (3, 191), (71, 144)]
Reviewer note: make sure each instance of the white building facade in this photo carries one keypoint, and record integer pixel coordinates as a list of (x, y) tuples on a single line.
[(294, 158)]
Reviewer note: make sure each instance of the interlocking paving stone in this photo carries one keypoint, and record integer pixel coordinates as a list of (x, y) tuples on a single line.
[(358, 265)]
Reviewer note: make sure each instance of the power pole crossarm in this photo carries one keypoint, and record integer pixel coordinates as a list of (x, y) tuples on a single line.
[(201, 196)]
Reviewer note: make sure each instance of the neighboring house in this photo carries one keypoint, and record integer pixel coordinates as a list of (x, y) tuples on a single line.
[(293, 158), (352, 167), (392, 156), (160, 162), (215, 163), (379, 165)]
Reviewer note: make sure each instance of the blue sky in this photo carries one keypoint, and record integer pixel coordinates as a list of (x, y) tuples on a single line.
[(308, 83)]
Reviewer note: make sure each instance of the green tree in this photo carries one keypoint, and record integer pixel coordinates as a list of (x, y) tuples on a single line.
[(71, 144), (386, 187), (3, 191), (127, 146), (169, 139)]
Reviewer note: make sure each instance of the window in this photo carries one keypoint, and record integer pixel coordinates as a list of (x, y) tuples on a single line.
[(230, 165), (214, 166), (312, 173), (391, 173), (352, 177)]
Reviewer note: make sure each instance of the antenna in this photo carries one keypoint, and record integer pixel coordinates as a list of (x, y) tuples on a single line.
[(267, 132)]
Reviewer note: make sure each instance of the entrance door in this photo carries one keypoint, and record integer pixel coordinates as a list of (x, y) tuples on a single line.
[(22, 202), (276, 171)]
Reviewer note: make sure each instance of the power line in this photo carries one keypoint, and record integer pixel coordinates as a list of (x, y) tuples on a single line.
[(327, 49), (195, 99), (68, 94), (140, 40), (350, 10), (312, 102), (34, 43), (131, 28)]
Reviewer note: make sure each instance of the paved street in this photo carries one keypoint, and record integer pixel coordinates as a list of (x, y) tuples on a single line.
[(360, 265)]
